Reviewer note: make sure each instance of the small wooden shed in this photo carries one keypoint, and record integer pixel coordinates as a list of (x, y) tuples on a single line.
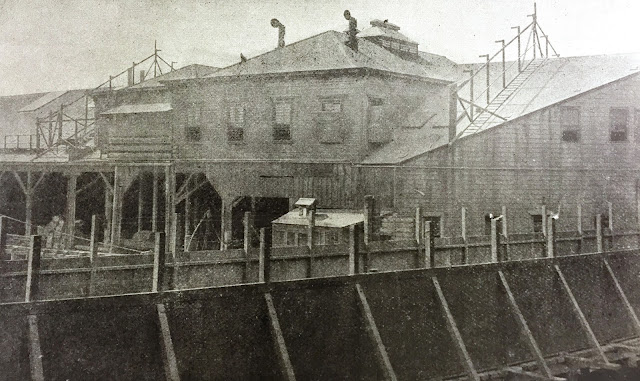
[(330, 226)]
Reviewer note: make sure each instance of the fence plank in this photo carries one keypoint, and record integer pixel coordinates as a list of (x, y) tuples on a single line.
[(281, 348), (168, 354), (380, 351), (455, 333)]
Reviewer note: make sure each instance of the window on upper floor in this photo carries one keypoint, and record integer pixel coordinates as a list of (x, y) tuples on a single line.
[(570, 123), (193, 131), (235, 127), (618, 124), (329, 121), (332, 105), (282, 115)]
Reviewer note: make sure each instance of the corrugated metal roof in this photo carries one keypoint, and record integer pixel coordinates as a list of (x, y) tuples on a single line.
[(328, 51), (323, 218), (42, 101), (139, 109), (556, 80)]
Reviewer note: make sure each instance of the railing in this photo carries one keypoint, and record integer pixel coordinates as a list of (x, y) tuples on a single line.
[(20, 142)]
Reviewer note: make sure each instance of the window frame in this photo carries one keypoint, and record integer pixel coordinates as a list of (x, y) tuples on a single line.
[(281, 132), (568, 126), (235, 130), (613, 126)]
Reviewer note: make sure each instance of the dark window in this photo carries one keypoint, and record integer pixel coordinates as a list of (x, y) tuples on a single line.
[(604, 219), (570, 123), (282, 121), (435, 225), (235, 129), (331, 105), (618, 124), (537, 223), (194, 134), (376, 101)]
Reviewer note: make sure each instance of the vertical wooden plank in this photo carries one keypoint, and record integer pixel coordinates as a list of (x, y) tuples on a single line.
[(599, 246), (418, 226), (580, 315), (354, 255), (428, 261), (264, 262), (612, 239), (551, 234), (93, 252), (524, 328), (580, 233), (3, 238), (28, 204), (35, 353), (369, 205), (463, 228), (225, 222), (168, 354), (420, 244), (544, 220), (494, 240), (108, 209), (154, 202), (623, 296), (280, 346), (374, 335), (455, 333), (169, 206), (159, 263), (70, 213), (505, 236), (248, 223), (140, 201), (311, 223), (33, 269)]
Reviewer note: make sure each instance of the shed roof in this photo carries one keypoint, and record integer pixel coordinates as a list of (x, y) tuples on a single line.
[(556, 80), (324, 218), (328, 51), (139, 109)]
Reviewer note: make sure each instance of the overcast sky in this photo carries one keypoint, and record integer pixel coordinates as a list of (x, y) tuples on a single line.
[(65, 44)]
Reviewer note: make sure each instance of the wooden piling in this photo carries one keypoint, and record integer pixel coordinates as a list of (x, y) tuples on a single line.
[(93, 252), (159, 263), (463, 229), (428, 260), (354, 255), (247, 223), (311, 223), (264, 262), (369, 205), (33, 269), (551, 237), (494, 240), (168, 354), (3, 239), (599, 245), (286, 367)]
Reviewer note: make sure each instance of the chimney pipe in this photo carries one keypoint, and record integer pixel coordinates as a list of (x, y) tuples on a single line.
[(353, 30), (277, 24)]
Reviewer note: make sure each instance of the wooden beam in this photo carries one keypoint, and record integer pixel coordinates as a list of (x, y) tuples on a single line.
[(35, 353), (154, 203), (106, 181), (140, 201), (525, 375), (248, 224), (185, 185), (280, 346), (582, 362), (20, 182), (524, 328), (311, 223), (3, 239), (168, 354), (623, 296), (33, 269), (374, 335), (582, 319), (181, 197), (455, 333)]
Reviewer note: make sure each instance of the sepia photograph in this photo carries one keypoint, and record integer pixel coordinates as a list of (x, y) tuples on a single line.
[(320, 190)]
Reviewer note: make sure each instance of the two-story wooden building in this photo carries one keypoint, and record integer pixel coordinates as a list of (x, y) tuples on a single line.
[(340, 115)]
